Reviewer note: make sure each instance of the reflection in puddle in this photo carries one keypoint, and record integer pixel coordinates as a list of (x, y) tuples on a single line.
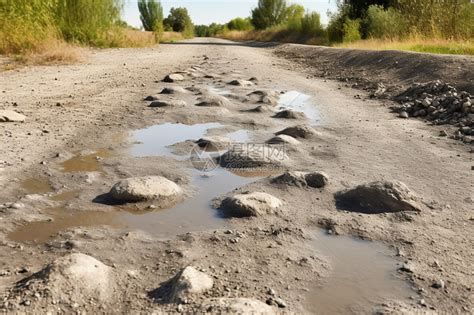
[(37, 185), (154, 141), (85, 163), (41, 231), (193, 214), (362, 276), (301, 103)]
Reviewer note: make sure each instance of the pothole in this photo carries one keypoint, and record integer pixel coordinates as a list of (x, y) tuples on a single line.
[(362, 276), (299, 102)]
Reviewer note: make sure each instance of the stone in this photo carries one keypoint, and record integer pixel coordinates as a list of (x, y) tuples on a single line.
[(168, 103), (254, 156), (265, 97), (289, 114), (242, 306), (302, 179), (438, 284), (403, 114), (241, 83), (214, 143), (443, 133), (250, 204), (283, 139), (302, 131), (261, 109), (145, 188), (151, 98), (173, 77), (173, 90), (316, 179), (213, 101), (11, 116), (189, 281), (378, 197)]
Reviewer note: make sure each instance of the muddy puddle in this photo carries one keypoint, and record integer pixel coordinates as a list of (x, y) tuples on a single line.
[(363, 275), (85, 162), (36, 185), (300, 102)]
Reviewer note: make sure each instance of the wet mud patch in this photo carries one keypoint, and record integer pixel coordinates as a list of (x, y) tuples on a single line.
[(86, 162), (37, 185)]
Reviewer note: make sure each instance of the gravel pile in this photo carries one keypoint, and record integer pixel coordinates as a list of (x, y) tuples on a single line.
[(440, 103)]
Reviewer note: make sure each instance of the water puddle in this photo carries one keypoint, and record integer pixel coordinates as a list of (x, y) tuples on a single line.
[(85, 163), (42, 231), (36, 185), (362, 276), (299, 102)]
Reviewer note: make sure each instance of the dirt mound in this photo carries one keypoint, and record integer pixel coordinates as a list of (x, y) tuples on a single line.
[(302, 179), (167, 103), (250, 204), (378, 197), (290, 114), (145, 188), (11, 116), (302, 131), (243, 306), (213, 101), (74, 279)]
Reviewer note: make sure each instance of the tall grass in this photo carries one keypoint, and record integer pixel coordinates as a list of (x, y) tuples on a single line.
[(35, 26)]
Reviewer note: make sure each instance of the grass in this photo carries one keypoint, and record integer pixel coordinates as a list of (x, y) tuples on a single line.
[(171, 37), (435, 46), (275, 34)]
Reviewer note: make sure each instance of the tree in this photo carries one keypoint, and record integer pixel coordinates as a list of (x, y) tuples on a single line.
[(268, 13), (179, 21), (293, 15), (151, 15), (239, 24)]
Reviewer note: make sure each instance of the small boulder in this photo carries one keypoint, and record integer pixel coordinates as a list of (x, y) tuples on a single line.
[(212, 101), (250, 204), (242, 306), (289, 114), (303, 131), (214, 143), (173, 90), (189, 281), (168, 103), (151, 98), (174, 77), (378, 197), (145, 188), (241, 83), (11, 116), (302, 179), (283, 139), (316, 179), (265, 97)]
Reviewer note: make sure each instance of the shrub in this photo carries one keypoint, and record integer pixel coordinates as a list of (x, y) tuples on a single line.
[(179, 21), (294, 15), (268, 13), (239, 24), (311, 24), (382, 23), (351, 31)]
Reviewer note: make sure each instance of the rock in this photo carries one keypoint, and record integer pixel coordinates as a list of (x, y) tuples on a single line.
[(302, 179), (266, 97), (77, 277), (261, 109), (254, 156), (439, 284), (213, 101), (241, 83), (407, 268), (242, 306), (214, 143), (443, 133), (189, 281), (173, 90), (151, 98), (250, 204), (168, 103), (11, 116), (283, 139), (403, 114), (173, 77), (290, 114), (303, 131), (145, 188), (280, 302), (378, 197)]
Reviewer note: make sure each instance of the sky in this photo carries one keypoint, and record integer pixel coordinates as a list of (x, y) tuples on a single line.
[(220, 11)]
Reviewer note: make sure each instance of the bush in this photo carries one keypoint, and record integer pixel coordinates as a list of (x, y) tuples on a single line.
[(311, 24), (351, 30), (239, 24), (179, 21), (268, 13), (382, 23), (294, 15)]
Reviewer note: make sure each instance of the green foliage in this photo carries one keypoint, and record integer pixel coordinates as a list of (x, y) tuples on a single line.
[(351, 30), (294, 14), (268, 13), (87, 21), (179, 21), (240, 24), (209, 30), (382, 23), (311, 24), (151, 15)]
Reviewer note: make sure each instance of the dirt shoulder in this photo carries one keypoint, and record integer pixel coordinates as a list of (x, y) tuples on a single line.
[(395, 69)]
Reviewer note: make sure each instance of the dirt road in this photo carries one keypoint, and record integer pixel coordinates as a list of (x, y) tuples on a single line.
[(87, 127)]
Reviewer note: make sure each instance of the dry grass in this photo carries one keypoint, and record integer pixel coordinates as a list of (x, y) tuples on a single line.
[(170, 37), (436, 46), (276, 34), (122, 37)]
